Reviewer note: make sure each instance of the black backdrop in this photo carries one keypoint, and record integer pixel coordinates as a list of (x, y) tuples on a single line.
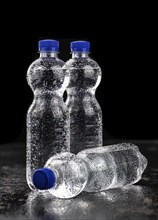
[(123, 42)]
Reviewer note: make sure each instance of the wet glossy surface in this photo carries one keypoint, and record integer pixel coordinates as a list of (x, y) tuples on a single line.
[(138, 201)]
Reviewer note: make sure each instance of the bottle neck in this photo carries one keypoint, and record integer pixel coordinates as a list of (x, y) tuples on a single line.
[(49, 54), (77, 54)]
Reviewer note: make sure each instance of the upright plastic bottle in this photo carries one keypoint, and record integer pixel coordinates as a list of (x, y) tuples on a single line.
[(48, 124), (92, 170), (85, 111)]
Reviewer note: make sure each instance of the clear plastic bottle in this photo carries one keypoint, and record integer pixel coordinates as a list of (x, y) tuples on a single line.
[(48, 124), (91, 170), (85, 111)]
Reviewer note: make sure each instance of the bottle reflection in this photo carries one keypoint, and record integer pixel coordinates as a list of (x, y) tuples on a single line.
[(45, 206), (106, 205)]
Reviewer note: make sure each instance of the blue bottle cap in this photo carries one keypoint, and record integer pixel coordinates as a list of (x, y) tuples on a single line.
[(48, 45), (80, 46), (44, 178)]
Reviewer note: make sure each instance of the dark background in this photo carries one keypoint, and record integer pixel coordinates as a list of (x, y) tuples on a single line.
[(123, 38), (123, 42)]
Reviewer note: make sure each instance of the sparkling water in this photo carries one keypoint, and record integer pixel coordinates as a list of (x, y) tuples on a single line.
[(48, 129), (85, 111), (91, 170), (113, 166)]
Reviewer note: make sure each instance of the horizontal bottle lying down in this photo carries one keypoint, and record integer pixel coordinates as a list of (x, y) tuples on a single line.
[(66, 175)]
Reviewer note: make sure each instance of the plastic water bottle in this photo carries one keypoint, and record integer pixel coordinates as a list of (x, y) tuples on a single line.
[(48, 124), (85, 111), (66, 175)]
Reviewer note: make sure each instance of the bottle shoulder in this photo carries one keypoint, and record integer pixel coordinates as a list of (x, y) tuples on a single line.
[(47, 73), (46, 62), (81, 63)]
